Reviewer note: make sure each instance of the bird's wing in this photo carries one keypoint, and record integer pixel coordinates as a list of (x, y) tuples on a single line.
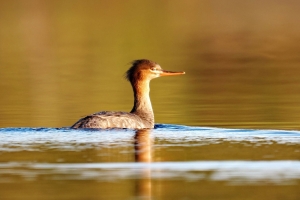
[(106, 120)]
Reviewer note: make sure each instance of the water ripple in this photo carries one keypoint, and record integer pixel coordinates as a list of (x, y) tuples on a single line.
[(234, 172), (12, 139)]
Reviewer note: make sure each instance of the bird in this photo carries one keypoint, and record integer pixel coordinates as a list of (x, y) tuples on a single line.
[(141, 116)]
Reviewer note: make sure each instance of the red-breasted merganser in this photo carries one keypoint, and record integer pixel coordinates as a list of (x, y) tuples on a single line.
[(141, 115)]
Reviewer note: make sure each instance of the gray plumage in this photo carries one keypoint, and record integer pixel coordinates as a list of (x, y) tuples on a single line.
[(109, 119)]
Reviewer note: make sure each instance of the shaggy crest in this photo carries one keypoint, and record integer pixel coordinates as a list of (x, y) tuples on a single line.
[(137, 64)]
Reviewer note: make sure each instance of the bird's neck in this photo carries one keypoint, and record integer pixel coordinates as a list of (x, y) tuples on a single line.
[(142, 104)]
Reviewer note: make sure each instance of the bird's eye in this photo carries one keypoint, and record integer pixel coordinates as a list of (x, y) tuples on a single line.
[(153, 69)]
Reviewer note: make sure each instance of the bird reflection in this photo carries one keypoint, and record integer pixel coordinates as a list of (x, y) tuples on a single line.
[(142, 145), (143, 153)]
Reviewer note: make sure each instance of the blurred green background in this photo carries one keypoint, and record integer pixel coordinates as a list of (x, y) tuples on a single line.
[(61, 60)]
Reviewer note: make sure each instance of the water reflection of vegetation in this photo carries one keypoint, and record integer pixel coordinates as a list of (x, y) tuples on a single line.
[(59, 60)]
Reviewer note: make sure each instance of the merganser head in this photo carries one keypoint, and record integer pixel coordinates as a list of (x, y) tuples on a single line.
[(146, 70)]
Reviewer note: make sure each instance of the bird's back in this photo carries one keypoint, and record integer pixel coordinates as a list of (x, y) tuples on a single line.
[(108, 119)]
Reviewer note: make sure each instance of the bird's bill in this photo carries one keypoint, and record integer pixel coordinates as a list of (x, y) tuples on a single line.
[(170, 73)]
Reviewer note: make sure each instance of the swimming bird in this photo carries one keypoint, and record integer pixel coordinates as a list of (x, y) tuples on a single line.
[(141, 115)]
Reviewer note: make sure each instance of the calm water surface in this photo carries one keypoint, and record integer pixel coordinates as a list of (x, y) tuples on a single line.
[(62, 60), (168, 162)]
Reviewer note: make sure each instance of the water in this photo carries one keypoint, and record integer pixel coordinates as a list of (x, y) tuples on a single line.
[(170, 161), (60, 61), (239, 99)]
